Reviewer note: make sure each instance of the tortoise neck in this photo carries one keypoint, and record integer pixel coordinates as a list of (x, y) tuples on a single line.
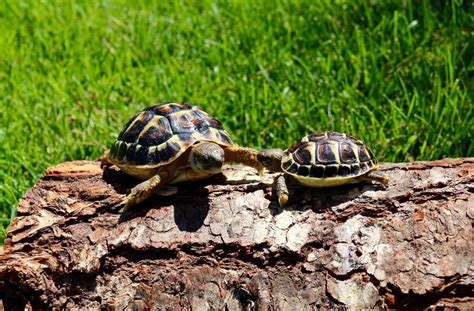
[(246, 156)]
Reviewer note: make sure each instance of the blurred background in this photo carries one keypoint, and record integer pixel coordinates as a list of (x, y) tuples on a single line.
[(397, 74)]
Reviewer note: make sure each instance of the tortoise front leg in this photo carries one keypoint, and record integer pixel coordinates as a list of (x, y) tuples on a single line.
[(247, 156), (143, 191), (282, 190)]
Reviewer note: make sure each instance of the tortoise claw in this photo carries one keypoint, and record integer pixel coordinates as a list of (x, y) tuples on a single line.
[(125, 208), (283, 199)]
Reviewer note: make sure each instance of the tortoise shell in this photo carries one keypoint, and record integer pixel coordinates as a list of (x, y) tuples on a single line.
[(328, 155), (160, 134)]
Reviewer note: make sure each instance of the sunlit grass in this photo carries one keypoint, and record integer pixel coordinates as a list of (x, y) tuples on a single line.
[(398, 75)]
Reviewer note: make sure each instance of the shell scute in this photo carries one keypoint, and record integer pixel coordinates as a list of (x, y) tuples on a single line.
[(316, 171), (303, 170), (285, 165), (371, 155), (154, 136), (158, 132), (330, 171), (316, 137), (293, 147), (181, 123), (224, 137), (130, 155), (347, 153), (185, 136), (113, 150), (302, 156), (355, 169), (166, 153), (325, 154), (344, 170), (141, 155), (155, 156), (166, 109), (127, 125), (122, 151), (200, 124), (130, 133), (293, 168), (337, 136), (363, 155), (213, 122)]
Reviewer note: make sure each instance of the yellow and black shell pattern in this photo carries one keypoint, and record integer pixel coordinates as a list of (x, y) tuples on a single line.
[(328, 155), (159, 134)]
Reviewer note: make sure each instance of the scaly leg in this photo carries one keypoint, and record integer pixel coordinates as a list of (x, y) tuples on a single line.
[(282, 190), (247, 156), (167, 190), (143, 191), (104, 162), (380, 179)]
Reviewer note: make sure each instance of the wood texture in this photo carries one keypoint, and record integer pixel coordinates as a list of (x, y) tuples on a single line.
[(226, 245)]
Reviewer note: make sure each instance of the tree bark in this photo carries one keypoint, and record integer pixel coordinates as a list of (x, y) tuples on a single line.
[(227, 245)]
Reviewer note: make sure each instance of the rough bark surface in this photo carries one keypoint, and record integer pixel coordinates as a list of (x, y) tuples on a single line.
[(226, 245)]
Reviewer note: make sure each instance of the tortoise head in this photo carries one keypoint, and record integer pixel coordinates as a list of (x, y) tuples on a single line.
[(207, 157), (271, 159)]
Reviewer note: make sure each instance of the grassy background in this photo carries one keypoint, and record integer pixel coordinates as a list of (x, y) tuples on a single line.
[(397, 74)]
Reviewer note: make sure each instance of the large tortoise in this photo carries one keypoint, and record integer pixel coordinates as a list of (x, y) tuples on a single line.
[(170, 143), (323, 159)]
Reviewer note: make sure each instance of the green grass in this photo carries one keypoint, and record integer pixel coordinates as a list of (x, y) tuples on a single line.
[(399, 76)]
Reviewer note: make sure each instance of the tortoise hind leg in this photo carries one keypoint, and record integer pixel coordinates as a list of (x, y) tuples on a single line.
[(247, 156), (143, 191), (104, 161), (379, 179)]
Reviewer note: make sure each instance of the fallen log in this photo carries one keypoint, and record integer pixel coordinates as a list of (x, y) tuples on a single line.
[(225, 244)]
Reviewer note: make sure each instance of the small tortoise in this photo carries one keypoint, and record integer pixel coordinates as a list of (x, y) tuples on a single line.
[(170, 143), (323, 159)]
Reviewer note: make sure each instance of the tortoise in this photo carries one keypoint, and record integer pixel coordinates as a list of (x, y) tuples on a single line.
[(170, 143), (322, 159)]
